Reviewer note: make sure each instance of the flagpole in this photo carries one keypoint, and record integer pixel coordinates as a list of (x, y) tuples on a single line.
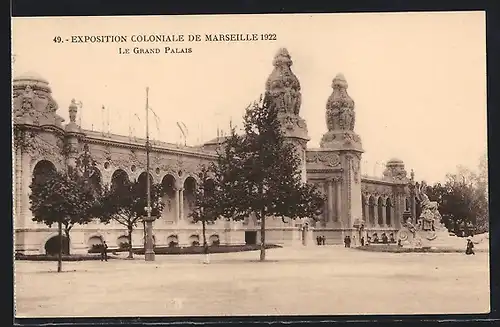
[(107, 113), (149, 254), (81, 114), (103, 119)]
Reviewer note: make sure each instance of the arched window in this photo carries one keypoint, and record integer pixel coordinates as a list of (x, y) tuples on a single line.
[(388, 212), (54, 244), (363, 207), (119, 178), (380, 211), (371, 209), (189, 196), (169, 212), (43, 169)]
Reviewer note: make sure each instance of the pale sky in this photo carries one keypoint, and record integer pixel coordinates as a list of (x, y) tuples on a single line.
[(418, 80)]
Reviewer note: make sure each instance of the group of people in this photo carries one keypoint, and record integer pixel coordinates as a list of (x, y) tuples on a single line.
[(383, 239), (320, 240), (347, 241)]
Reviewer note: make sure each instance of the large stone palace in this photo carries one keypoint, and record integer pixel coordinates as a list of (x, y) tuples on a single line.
[(356, 205)]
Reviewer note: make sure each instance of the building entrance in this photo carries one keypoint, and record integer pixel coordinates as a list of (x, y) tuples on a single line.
[(250, 237)]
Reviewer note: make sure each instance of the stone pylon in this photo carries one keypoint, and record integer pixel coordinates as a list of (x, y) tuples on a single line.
[(340, 139), (283, 87)]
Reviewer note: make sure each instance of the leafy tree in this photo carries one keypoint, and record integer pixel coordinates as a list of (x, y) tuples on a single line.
[(206, 202), (125, 203), (482, 194), (463, 200), (62, 198), (258, 173)]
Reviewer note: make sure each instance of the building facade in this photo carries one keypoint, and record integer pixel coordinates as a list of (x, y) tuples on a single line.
[(356, 205)]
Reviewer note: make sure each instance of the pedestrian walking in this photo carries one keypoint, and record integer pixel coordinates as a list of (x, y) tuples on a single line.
[(470, 247), (104, 251), (206, 253)]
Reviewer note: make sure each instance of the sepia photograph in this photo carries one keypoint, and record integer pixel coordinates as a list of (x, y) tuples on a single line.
[(250, 165)]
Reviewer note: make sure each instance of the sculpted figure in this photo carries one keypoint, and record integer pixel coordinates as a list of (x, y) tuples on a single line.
[(287, 99), (27, 99), (410, 226), (291, 99), (72, 111), (430, 216), (346, 118)]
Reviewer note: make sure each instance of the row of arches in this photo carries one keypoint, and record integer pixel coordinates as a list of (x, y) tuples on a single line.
[(377, 211), (179, 202), (172, 240), (53, 244)]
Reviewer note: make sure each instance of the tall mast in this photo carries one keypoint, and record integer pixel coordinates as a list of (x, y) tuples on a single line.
[(148, 186)]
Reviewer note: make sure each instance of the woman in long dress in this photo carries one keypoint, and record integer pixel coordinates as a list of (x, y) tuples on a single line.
[(470, 248)]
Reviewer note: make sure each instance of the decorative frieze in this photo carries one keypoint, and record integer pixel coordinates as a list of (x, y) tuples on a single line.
[(329, 159)]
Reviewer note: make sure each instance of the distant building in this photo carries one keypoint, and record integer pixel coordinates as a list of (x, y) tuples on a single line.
[(42, 141)]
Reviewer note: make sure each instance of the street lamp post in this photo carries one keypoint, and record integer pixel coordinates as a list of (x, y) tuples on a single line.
[(149, 254)]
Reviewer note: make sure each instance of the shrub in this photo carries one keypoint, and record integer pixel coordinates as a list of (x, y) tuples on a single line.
[(123, 246), (44, 257), (200, 250), (96, 246), (398, 249)]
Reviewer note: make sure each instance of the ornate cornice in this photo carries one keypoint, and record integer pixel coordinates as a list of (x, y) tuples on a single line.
[(310, 170), (153, 148), (41, 128), (379, 181)]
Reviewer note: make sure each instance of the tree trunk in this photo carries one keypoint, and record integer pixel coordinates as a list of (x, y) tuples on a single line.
[(129, 236), (205, 243), (66, 232), (204, 232), (59, 259), (144, 235), (262, 238)]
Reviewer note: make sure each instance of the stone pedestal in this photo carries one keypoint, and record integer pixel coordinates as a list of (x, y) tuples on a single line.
[(307, 237), (149, 254)]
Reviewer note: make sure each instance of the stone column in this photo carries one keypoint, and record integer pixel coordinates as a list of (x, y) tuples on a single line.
[(391, 211), (18, 170), (338, 202), (331, 213), (25, 190), (177, 206), (413, 204), (367, 211), (375, 214), (384, 223), (399, 207), (181, 204)]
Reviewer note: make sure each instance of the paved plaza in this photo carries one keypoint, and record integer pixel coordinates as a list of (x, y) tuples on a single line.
[(326, 280)]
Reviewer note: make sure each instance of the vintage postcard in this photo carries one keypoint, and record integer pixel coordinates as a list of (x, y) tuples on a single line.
[(306, 164)]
